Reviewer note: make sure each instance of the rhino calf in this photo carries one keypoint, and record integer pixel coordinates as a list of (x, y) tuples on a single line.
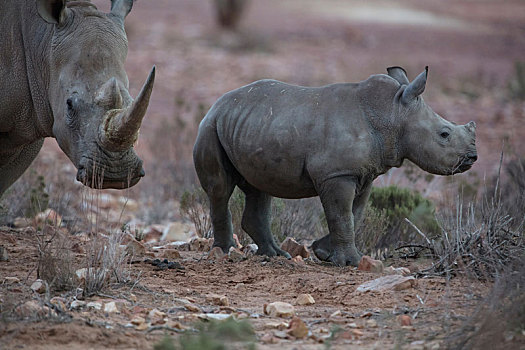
[(62, 75), (274, 139)]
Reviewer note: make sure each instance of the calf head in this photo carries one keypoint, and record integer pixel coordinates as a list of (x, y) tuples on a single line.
[(96, 121), (430, 141)]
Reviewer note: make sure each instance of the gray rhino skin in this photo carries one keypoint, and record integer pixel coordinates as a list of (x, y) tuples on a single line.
[(62, 75), (274, 139)]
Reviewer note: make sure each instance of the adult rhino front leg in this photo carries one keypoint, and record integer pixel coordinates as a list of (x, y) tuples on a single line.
[(337, 196), (11, 171)]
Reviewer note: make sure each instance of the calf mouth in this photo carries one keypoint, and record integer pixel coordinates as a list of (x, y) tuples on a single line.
[(465, 163)]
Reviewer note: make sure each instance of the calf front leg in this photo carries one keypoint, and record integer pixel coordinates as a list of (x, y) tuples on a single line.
[(337, 196)]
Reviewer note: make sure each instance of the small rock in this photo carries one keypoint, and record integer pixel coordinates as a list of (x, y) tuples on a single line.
[(94, 305), (11, 280), (216, 299), (250, 249), (138, 320), (336, 313), (279, 309), (238, 244), (111, 307), (305, 299), (39, 287), (294, 248), (216, 254), (31, 309), (152, 233), (170, 254), (199, 244), (156, 313), (48, 216), (370, 265), (235, 255), (135, 248), (277, 325), (59, 302), (177, 231), (192, 308), (77, 304), (141, 327), (4, 255), (298, 328), (405, 320), (298, 260), (402, 271), (390, 282)]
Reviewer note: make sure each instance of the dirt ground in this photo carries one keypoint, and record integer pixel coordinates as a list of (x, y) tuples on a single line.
[(471, 48), (362, 320)]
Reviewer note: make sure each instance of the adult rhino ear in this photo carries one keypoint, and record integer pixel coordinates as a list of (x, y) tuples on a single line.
[(416, 87), (52, 11), (398, 74), (121, 8)]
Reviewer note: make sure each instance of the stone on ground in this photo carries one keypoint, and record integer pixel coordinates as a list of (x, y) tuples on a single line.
[(177, 231), (279, 309), (298, 328), (294, 248), (390, 282), (305, 299), (370, 265), (38, 286)]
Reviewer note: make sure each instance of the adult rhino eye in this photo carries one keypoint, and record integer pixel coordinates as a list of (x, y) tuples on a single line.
[(69, 103), (444, 134)]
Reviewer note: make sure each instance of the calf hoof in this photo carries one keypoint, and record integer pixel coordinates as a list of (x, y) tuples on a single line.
[(272, 250), (339, 256)]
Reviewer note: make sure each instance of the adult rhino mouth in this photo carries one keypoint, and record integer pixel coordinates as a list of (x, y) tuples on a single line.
[(465, 163), (101, 182), (112, 173)]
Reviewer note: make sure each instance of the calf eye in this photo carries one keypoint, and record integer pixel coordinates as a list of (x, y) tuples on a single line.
[(444, 134), (69, 103)]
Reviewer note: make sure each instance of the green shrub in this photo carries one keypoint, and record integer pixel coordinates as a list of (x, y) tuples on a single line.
[(390, 206)]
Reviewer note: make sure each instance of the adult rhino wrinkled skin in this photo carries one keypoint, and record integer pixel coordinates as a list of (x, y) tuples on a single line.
[(274, 139), (62, 75)]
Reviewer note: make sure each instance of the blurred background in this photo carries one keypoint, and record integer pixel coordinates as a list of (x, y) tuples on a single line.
[(205, 48)]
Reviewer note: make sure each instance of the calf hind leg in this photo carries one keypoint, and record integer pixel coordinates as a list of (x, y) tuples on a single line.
[(218, 178), (256, 221)]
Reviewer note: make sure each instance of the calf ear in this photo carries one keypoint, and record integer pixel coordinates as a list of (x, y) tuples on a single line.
[(416, 87), (121, 8), (52, 11), (398, 74)]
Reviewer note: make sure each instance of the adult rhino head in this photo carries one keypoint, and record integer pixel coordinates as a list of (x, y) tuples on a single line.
[(95, 119), (433, 143)]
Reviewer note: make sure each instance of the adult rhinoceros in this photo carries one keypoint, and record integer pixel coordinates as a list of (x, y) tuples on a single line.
[(274, 139), (62, 75)]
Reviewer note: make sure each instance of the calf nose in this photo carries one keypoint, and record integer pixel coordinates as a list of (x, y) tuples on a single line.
[(473, 156)]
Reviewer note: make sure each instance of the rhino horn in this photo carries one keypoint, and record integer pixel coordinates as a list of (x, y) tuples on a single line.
[(109, 95), (120, 127)]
